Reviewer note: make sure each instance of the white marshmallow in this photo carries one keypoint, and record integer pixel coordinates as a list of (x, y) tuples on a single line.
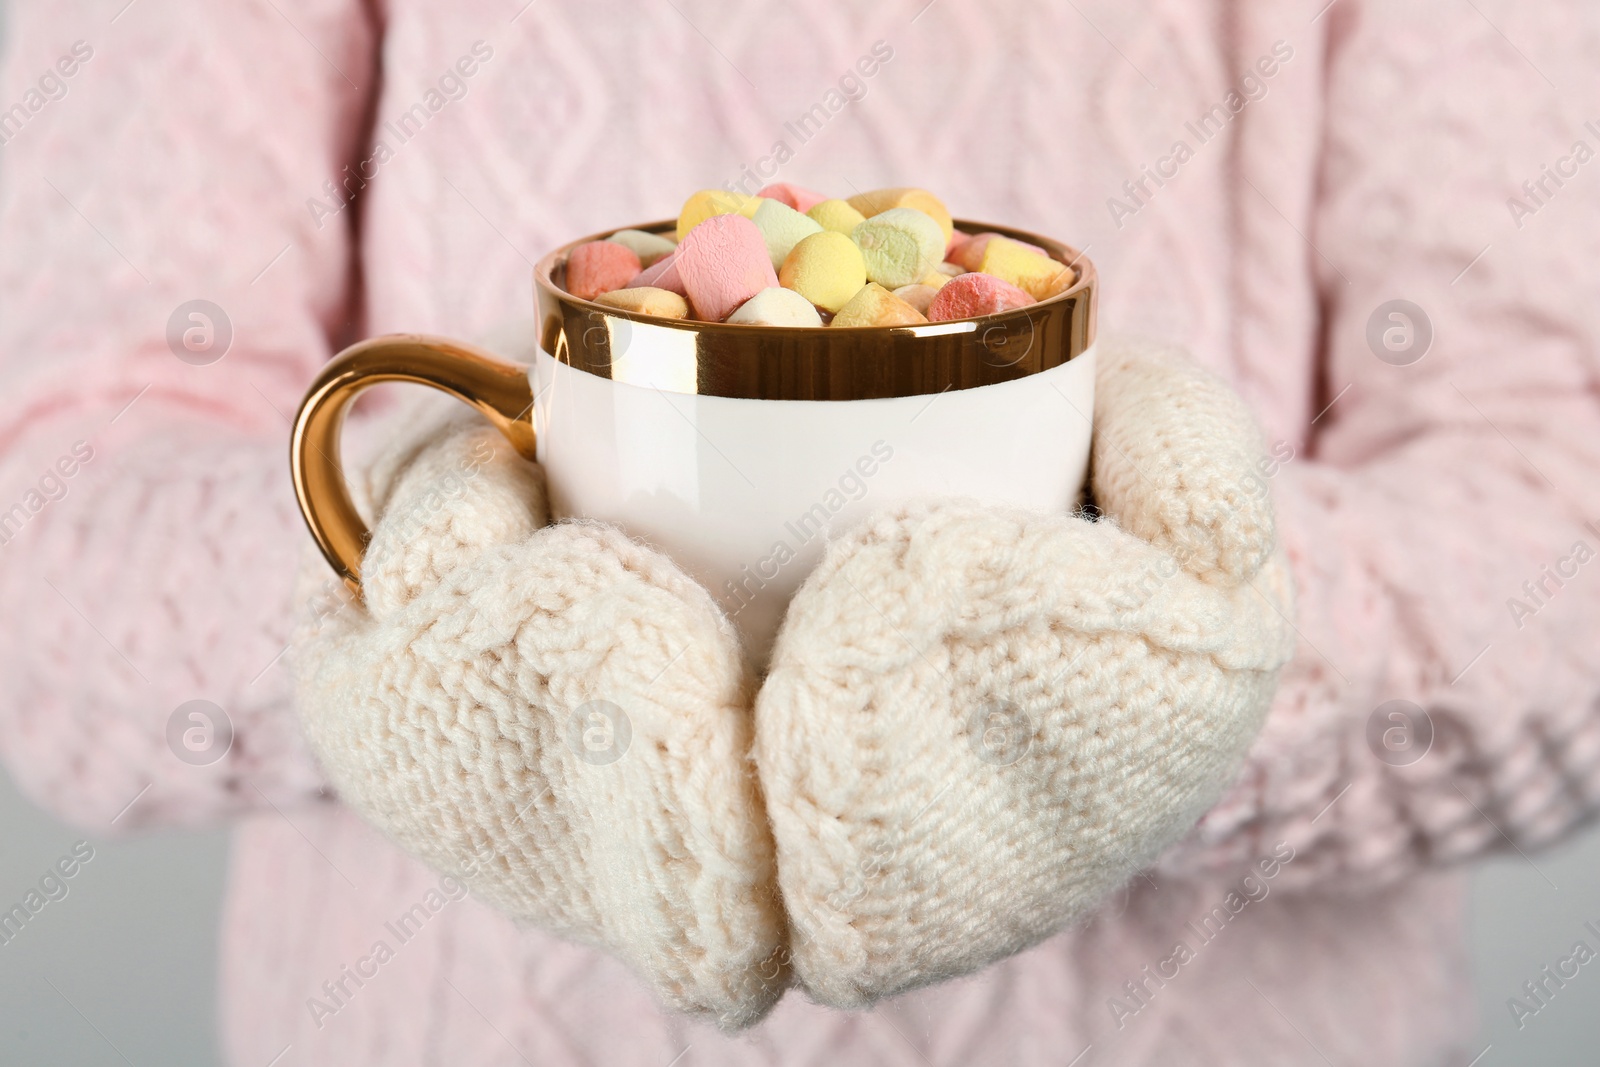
[(649, 247), (776, 307)]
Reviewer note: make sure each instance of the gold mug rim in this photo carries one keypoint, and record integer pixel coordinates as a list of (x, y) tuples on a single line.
[(821, 362)]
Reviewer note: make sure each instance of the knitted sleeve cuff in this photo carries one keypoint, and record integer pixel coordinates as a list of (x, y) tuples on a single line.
[(1382, 756)]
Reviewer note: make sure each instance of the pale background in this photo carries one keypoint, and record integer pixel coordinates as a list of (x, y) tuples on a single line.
[(122, 971)]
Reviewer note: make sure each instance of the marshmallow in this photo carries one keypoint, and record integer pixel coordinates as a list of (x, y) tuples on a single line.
[(918, 296), (788, 256), (802, 200), (596, 267), (881, 200), (970, 254), (873, 305), (777, 307), (900, 246), (646, 300), (711, 202), (825, 268), (782, 227), (649, 247), (1039, 276), (1062, 282), (974, 294), (723, 262), (836, 215), (957, 239), (662, 275)]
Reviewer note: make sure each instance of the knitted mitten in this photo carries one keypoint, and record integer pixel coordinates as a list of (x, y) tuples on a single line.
[(980, 721), (554, 714)]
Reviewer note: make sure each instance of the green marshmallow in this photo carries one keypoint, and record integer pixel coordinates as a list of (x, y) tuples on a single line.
[(900, 246)]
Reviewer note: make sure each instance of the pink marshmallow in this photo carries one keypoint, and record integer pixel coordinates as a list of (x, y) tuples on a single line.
[(970, 254), (953, 246), (663, 274), (801, 199), (724, 262), (596, 267), (967, 296)]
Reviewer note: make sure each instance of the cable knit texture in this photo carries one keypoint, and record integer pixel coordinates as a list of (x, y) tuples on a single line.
[(978, 722), (1411, 501), (557, 716)]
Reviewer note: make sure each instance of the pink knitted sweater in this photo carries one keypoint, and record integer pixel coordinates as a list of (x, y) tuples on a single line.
[(1434, 511)]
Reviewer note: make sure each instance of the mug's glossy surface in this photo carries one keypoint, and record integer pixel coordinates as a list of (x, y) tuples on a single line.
[(743, 494)]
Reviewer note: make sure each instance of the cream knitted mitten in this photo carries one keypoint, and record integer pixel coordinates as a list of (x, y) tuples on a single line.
[(555, 714), (978, 722)]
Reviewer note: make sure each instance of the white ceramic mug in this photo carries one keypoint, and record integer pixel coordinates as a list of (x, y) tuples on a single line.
[(739, 450)]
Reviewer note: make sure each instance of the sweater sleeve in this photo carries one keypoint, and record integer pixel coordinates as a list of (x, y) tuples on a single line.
[(161, 155), (1444, 524)]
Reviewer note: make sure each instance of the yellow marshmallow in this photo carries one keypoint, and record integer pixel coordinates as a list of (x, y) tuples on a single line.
[(881, 200), (935, 279), (1063, 281), (836, 215), (1038, 276), (825, 268), (873, 305), (709, 202), (647, 300)]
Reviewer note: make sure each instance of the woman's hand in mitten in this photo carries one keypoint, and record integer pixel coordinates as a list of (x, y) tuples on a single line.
[(980, 721), (556, 714)]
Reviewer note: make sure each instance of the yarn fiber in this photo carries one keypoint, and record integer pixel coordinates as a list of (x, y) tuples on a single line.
[(981, 721), (556, 715)]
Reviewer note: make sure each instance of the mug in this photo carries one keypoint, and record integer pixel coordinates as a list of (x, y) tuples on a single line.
[(740, 450)]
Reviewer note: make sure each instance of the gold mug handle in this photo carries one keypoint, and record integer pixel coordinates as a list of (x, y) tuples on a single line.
[(500, 391)]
